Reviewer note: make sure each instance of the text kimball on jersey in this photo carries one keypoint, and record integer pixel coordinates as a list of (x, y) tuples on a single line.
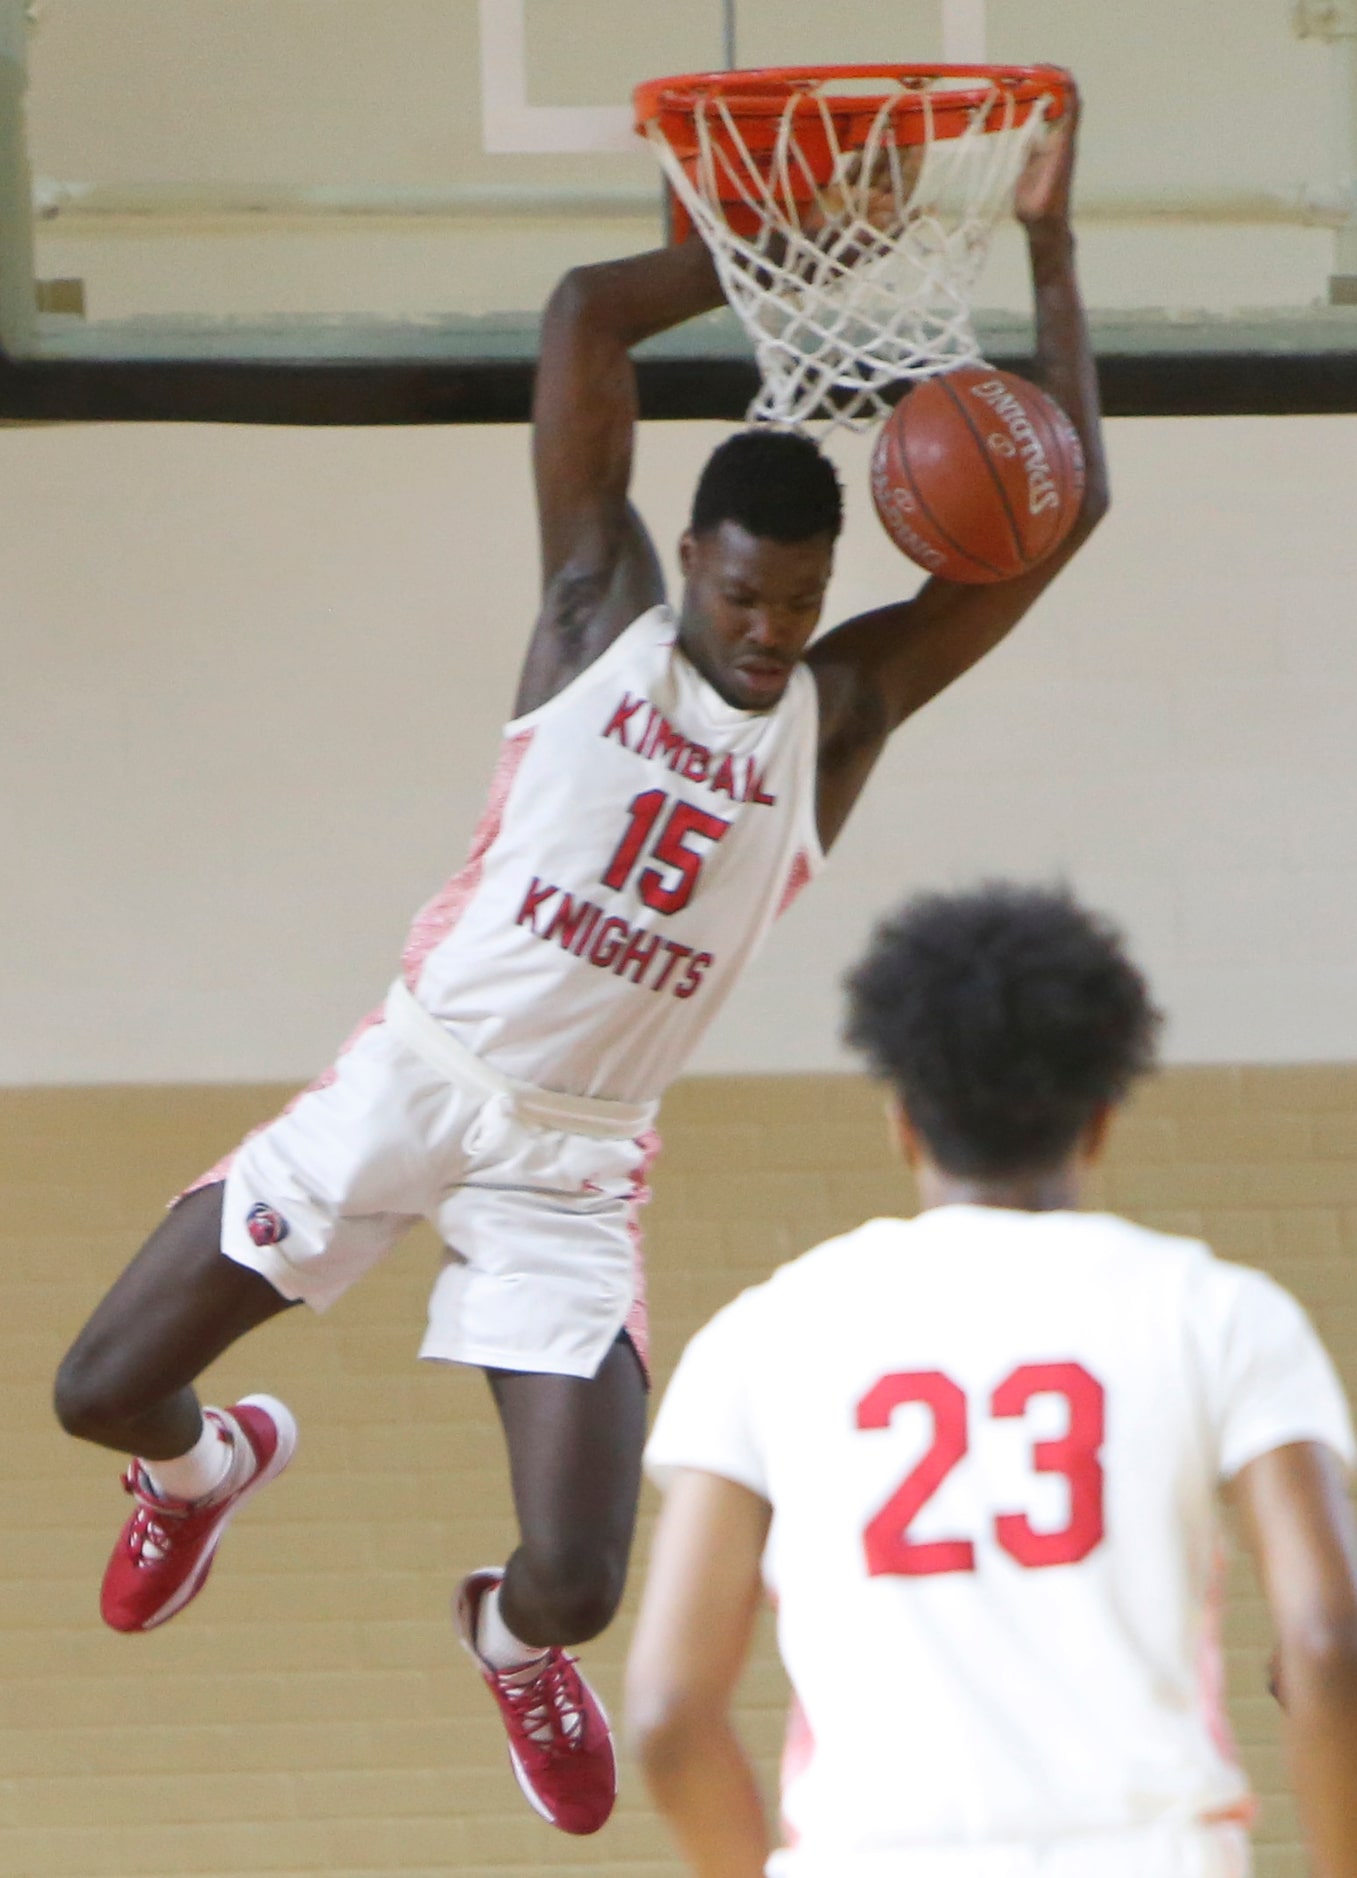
[(652, 735)]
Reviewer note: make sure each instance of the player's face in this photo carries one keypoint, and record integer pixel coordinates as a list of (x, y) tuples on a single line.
[(750, 606)]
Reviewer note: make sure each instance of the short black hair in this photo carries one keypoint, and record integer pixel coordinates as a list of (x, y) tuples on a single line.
[(1004, 1018), (777, 484)]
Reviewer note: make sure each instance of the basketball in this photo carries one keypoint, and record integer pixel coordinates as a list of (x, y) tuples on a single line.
[(977, 475)]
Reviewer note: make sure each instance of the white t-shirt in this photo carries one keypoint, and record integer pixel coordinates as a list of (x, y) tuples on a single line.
[(641, 837), (992, 1442)]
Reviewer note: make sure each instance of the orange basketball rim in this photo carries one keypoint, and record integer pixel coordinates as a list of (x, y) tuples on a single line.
[(822, 111)]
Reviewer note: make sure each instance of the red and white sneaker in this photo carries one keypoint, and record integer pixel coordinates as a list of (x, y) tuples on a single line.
[(560, 1744), (165, 1550)]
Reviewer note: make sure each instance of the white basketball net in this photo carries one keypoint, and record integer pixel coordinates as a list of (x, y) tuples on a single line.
[(870, 282)]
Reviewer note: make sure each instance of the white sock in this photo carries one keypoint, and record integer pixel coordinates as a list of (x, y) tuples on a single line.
[(497, 1644), (193, 1476)]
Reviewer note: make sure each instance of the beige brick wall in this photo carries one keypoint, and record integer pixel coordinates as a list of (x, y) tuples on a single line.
[(311, 1713)]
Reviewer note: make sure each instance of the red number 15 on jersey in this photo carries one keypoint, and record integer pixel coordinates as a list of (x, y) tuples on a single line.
[(683, 824), (886, 1541)]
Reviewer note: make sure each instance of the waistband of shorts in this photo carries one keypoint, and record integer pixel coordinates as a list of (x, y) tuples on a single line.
[(435, 1045)]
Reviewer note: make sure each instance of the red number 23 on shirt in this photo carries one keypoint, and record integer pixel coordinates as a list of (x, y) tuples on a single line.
[(890, 1550)]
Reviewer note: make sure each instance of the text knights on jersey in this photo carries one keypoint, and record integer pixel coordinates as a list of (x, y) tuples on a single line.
[(738, 777), (613, 944)]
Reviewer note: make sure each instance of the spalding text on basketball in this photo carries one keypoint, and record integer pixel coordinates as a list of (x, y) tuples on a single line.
[(1042, 493)]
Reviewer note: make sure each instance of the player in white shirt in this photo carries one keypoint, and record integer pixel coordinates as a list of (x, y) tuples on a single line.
[(667, 783), (975, 1460)]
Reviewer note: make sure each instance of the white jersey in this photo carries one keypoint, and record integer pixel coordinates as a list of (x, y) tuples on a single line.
[(992, 1442), (641, 837)]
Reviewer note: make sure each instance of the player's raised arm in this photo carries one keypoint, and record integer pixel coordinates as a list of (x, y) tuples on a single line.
[(599, 569), (877, 669), (1301, 1531)]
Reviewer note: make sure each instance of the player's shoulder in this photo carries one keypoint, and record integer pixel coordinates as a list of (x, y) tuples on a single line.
[(1223, 1306), (845, 1266), (1223, 1309), (641, 649), (808, 1281), (1148, 1247), (1226, 1292), (873, 1239), (1184, 1267)]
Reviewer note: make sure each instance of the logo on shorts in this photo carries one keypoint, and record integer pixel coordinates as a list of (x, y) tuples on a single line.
[(266, 1226)]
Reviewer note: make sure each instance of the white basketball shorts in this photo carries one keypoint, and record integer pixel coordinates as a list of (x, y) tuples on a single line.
[(535, 1197)]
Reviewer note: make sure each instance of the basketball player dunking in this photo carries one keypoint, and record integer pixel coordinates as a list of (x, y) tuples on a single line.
[(666, 785)]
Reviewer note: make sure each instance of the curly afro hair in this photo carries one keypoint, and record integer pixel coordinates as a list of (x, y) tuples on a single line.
[(777, 484), (1004, 1018)]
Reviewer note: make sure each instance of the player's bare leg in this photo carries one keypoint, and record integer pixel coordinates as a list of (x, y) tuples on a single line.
[(127, 1384), (575, 1463)]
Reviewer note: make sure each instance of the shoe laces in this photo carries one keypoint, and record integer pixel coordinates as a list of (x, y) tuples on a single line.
[(151, 1536), (547, 1705)]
